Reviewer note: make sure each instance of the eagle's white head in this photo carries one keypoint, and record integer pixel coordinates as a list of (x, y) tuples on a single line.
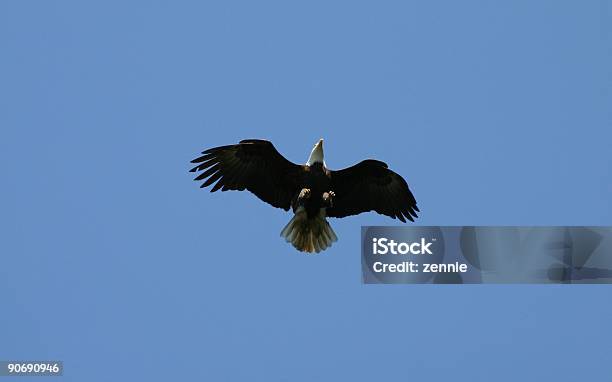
[(316, 155)]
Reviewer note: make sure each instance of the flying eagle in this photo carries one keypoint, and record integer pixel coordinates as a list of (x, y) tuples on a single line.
[(313, 191)]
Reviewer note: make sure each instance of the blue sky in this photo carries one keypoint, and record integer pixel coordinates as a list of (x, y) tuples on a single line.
[(115, 262)]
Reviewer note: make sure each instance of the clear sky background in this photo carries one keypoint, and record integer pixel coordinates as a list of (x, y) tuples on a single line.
[(114, 261)]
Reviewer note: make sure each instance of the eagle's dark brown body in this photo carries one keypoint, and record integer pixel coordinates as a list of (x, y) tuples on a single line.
[(317, 179)]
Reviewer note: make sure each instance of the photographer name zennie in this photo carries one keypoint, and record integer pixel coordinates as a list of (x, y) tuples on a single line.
[(384, 246)]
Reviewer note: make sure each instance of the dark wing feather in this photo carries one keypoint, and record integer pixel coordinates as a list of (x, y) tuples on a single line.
[(371, 186), (254, 165)]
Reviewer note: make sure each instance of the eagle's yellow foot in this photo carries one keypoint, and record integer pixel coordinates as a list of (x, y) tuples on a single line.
[(328, 198), (304, 194)]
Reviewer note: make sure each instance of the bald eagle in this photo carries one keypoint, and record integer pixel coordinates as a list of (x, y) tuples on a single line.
[(312, 191)]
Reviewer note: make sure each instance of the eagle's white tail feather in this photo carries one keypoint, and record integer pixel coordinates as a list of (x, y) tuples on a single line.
[(309, 235)]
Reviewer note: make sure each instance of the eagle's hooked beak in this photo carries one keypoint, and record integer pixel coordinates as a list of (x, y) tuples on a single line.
[(320, 143)]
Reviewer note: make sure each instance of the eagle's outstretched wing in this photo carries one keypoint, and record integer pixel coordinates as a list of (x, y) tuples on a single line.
[(370, 185), (254, 165)]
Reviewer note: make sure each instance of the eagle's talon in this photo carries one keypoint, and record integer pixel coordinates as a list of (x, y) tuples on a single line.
[(328, 198), (304, 194)]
